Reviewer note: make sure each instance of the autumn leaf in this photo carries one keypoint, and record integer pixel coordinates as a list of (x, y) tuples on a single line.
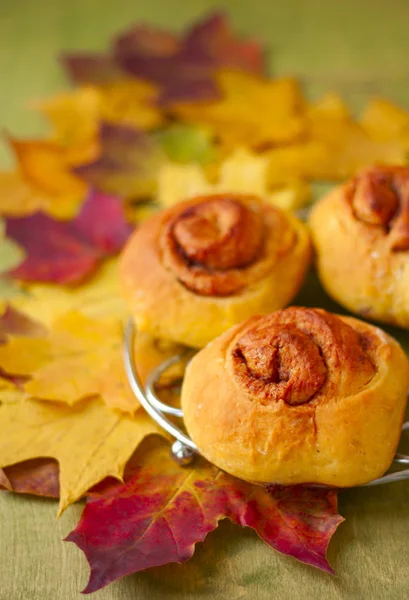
[(42, 181), (9, 290), (383, 120), (47, 168), (82, 357), (96, 69), (334, 147), (39, 477), (5, 482), (10, 388), (128, 162), (252, 111), (69, 364), (98, 296), (130, 102), (183, 66), (13, 322), (162, 510), (11, 254), (89, 441), (188, 143), (67, 251), (19, 197), (76, 115), (348, 147), (130, 159), (243, 172)]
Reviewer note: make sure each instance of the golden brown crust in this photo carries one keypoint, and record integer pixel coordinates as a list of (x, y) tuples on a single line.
[(320, 398), (361, 236), (196, 269)]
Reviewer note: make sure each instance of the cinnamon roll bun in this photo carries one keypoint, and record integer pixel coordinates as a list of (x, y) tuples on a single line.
[(298, 396), (361, 235), (192, 271)]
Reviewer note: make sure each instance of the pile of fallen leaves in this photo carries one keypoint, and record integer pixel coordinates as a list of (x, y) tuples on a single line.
[(155, 119)]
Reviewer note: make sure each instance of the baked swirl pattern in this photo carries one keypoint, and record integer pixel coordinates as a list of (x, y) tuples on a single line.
[(361, 235), (198, 268), (298, 396), (208, 246), (380, 198), (297, 355)]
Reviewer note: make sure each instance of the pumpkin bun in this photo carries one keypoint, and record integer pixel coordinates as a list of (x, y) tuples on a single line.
[(361, 235), (192, 271), (300, 396)]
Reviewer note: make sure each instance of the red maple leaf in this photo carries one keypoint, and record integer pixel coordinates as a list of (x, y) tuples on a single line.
[(67, 251), (183, 67), (162, 510)]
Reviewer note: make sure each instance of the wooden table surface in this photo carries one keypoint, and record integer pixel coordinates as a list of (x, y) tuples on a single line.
[(356, 47)]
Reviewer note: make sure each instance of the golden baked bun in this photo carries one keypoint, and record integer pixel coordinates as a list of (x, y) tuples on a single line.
[(192, 271), (361, 235), (298, 396)]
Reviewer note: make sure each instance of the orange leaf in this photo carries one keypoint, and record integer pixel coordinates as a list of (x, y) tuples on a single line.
[(46, 166), (19, 197)]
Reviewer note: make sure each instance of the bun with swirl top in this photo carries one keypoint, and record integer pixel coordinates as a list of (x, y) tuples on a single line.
[(298, 396), (194, 270), (361, 234)]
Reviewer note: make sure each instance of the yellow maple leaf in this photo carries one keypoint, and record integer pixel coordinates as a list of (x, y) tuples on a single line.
[(9, 393), (89, 440), (81, 357), (346, 144), (99, 296), (76, 115), (243, 172), (253, 111), (383, 121), (130, 102), (100, 299), (334, 148)]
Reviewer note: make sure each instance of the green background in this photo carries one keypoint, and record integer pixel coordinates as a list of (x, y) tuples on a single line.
[(357, 47)]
